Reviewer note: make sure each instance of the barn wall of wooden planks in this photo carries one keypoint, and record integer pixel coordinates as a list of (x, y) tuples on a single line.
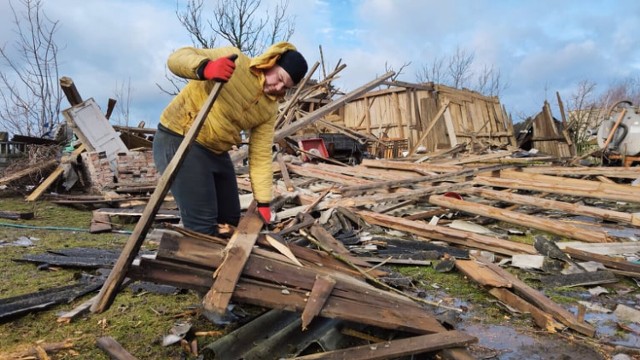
[(435, 116)]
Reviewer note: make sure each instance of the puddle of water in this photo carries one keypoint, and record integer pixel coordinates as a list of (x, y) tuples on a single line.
[(498, 337), (607, 330), (509, 344)]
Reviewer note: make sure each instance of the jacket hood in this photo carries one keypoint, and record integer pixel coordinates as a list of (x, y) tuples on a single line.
[(268, 59)]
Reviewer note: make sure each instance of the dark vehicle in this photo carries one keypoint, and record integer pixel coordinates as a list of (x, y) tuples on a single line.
[(344, 148)]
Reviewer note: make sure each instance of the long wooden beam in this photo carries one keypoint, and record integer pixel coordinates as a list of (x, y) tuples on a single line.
[(35, 194), (541, 301), (613, 172), (423, 168), (608, 261), (453, 236), (500, 288), (576, 209), (394, 349), (561, 185), (552, 226), (367, 173), (318, 173), (349, 190), (608, 190), (400, 195)]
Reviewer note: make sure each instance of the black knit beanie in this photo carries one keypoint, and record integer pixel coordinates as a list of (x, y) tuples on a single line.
[(293, 63)]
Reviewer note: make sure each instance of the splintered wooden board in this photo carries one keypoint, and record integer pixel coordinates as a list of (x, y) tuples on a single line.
[(237, 253)]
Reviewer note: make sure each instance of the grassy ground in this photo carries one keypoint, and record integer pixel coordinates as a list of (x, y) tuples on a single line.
[(137, 321)]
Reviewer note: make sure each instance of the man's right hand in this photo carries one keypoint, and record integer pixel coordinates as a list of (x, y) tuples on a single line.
[(220, 69)]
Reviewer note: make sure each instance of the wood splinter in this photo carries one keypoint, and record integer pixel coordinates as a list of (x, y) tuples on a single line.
[(322, 288)]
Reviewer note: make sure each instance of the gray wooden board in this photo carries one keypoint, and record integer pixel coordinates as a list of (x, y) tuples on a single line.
[(603, 248), (76, 257), (588, 278), (161, 214), (15, 215), (23, 304)]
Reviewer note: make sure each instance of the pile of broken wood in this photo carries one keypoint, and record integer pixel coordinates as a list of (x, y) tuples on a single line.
[(351, 218)]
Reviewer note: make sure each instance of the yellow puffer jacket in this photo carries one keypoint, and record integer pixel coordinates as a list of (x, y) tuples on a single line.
[(241, 105)]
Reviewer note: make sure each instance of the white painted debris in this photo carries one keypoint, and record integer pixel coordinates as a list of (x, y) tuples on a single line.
[(626, 313), (598, 290), (592, 266), (524, 261), (471, 227), (628, 247), (594, 307), (488, 255)]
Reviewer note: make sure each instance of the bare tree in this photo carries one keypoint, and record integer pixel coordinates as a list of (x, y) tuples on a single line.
[(388, 68), (432, 72), (459, 67), (456, 71), (627, 89), (282, 26), (584, 115), (240, 23), (123, 93), (489, 82), (29, 93), (191, 19)]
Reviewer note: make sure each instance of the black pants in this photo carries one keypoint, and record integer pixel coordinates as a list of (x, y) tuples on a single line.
[(205, 186)]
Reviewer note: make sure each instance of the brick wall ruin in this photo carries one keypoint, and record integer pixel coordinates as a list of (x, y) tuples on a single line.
[(134, 167)]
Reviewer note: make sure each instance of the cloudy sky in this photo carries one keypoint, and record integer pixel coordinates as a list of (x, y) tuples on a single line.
[(539, 46)]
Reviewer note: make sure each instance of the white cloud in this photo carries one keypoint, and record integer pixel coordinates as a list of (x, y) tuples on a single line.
[(109, 43), (539, 46)]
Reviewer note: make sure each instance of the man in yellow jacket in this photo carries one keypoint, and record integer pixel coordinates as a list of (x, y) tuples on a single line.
[(205, 186)]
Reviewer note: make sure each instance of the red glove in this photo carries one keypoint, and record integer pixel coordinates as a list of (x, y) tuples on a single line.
[(220, 69), (265, 212)]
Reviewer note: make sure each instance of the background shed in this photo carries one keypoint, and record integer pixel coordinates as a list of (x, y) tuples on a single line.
[(435, 116)]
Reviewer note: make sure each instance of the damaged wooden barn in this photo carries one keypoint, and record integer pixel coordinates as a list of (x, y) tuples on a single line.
[(407, 118)]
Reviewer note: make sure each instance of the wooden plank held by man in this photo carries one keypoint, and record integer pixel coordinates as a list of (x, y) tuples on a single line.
[(236, 254), (130, 250)]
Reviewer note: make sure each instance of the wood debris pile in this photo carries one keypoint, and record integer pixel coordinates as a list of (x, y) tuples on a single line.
[(474, 207), (463, 195)]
